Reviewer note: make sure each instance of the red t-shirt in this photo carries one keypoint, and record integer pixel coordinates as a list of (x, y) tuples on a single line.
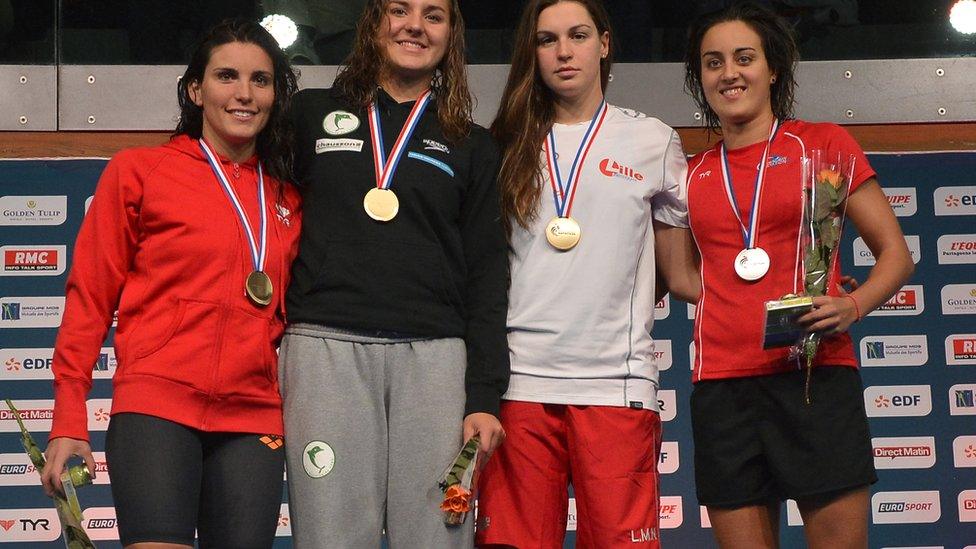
[(728, 330)]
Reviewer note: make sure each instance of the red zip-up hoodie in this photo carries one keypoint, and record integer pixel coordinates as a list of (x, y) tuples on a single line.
[(163, 245)]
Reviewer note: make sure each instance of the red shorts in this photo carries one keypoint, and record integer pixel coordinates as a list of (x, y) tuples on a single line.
[(608, 453)]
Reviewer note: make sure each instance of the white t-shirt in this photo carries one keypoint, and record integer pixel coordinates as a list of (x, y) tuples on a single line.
[(579, 322)]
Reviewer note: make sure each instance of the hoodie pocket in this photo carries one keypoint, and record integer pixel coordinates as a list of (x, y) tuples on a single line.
[(182, 348)]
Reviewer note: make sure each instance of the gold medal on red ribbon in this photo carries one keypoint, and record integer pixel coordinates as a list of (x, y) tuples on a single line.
[(563, 233), (259, 288), (381, 204)]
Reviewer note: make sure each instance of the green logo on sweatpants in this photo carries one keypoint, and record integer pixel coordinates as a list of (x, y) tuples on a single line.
[(318, 459)]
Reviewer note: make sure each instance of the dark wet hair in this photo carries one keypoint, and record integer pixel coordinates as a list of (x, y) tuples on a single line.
[(274, 142), (779, 47)]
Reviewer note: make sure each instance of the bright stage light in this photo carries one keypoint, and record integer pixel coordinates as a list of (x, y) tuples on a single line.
[(282, 28), (962, 16)]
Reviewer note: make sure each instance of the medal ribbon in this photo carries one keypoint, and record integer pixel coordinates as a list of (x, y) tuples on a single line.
[(563, 194), (258, 254), (385, 168), (749, 234)]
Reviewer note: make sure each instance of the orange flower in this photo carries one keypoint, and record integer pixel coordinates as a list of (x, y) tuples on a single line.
[(831, 177), (456, 500)]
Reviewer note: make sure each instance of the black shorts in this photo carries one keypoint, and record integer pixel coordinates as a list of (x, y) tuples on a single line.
[(756, 441), (169, 480)]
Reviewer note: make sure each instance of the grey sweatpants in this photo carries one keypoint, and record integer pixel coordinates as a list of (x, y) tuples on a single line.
[(371, 424)]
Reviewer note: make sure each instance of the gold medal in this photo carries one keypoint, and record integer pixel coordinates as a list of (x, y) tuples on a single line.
[(381, 204), (259, 288), (563, 233)]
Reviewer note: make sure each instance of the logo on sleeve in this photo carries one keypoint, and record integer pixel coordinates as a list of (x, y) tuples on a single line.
[(340, 123)]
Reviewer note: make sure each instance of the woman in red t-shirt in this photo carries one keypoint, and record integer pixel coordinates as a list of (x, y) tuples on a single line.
[(756, 440)]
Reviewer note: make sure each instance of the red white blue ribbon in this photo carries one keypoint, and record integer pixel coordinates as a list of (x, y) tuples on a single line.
[(385, 168), (750, 233), (258, 252), (563, 194)]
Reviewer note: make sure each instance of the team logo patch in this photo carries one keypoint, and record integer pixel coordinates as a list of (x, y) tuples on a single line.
[(340, 123), (777, 160), (431, 145), (318, 459), (611, 168)]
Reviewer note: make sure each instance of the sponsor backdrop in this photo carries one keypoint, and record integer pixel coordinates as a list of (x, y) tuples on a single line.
[(918, 356)]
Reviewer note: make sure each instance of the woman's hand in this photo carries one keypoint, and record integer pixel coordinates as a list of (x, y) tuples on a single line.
[(488, 428), (830, 315), (58, 452)]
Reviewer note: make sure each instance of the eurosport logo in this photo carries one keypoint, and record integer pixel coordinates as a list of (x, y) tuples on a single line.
[(908, 301), (957, 248), (33, 210), (32, 260), (37, 416), (29, 525), (284, 522), (962, 399), (898, 400), (967, 506), (894, 350), (959, 299), (903, 452), (903, 200), (964, 451), (31, 312), (670, 460), (666, 403), (918, 507), (662, 309), (960, 349), (100, 524), (611, 168), (662, 354), (955, 200), (17, 470), (21, 364), (863, 255), (99, 410), (671, 511)]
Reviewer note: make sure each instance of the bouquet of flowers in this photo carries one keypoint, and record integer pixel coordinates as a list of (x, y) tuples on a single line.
[(69, 511), (826, 183), (458, 483)]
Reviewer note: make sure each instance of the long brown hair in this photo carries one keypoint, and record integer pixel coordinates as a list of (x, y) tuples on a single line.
[(526, 113), (359, 75)]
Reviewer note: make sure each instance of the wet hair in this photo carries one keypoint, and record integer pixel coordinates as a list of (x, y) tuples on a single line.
[(359, 75), (273, 144), (779, 48), (526, 113)]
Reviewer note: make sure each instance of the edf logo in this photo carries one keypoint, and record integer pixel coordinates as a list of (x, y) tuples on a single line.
[(898, 400)]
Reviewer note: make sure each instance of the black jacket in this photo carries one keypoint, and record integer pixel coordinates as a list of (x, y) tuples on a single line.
[(438, 269)]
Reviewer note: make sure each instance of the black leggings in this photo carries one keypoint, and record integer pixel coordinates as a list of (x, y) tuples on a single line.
[(169, 480)]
